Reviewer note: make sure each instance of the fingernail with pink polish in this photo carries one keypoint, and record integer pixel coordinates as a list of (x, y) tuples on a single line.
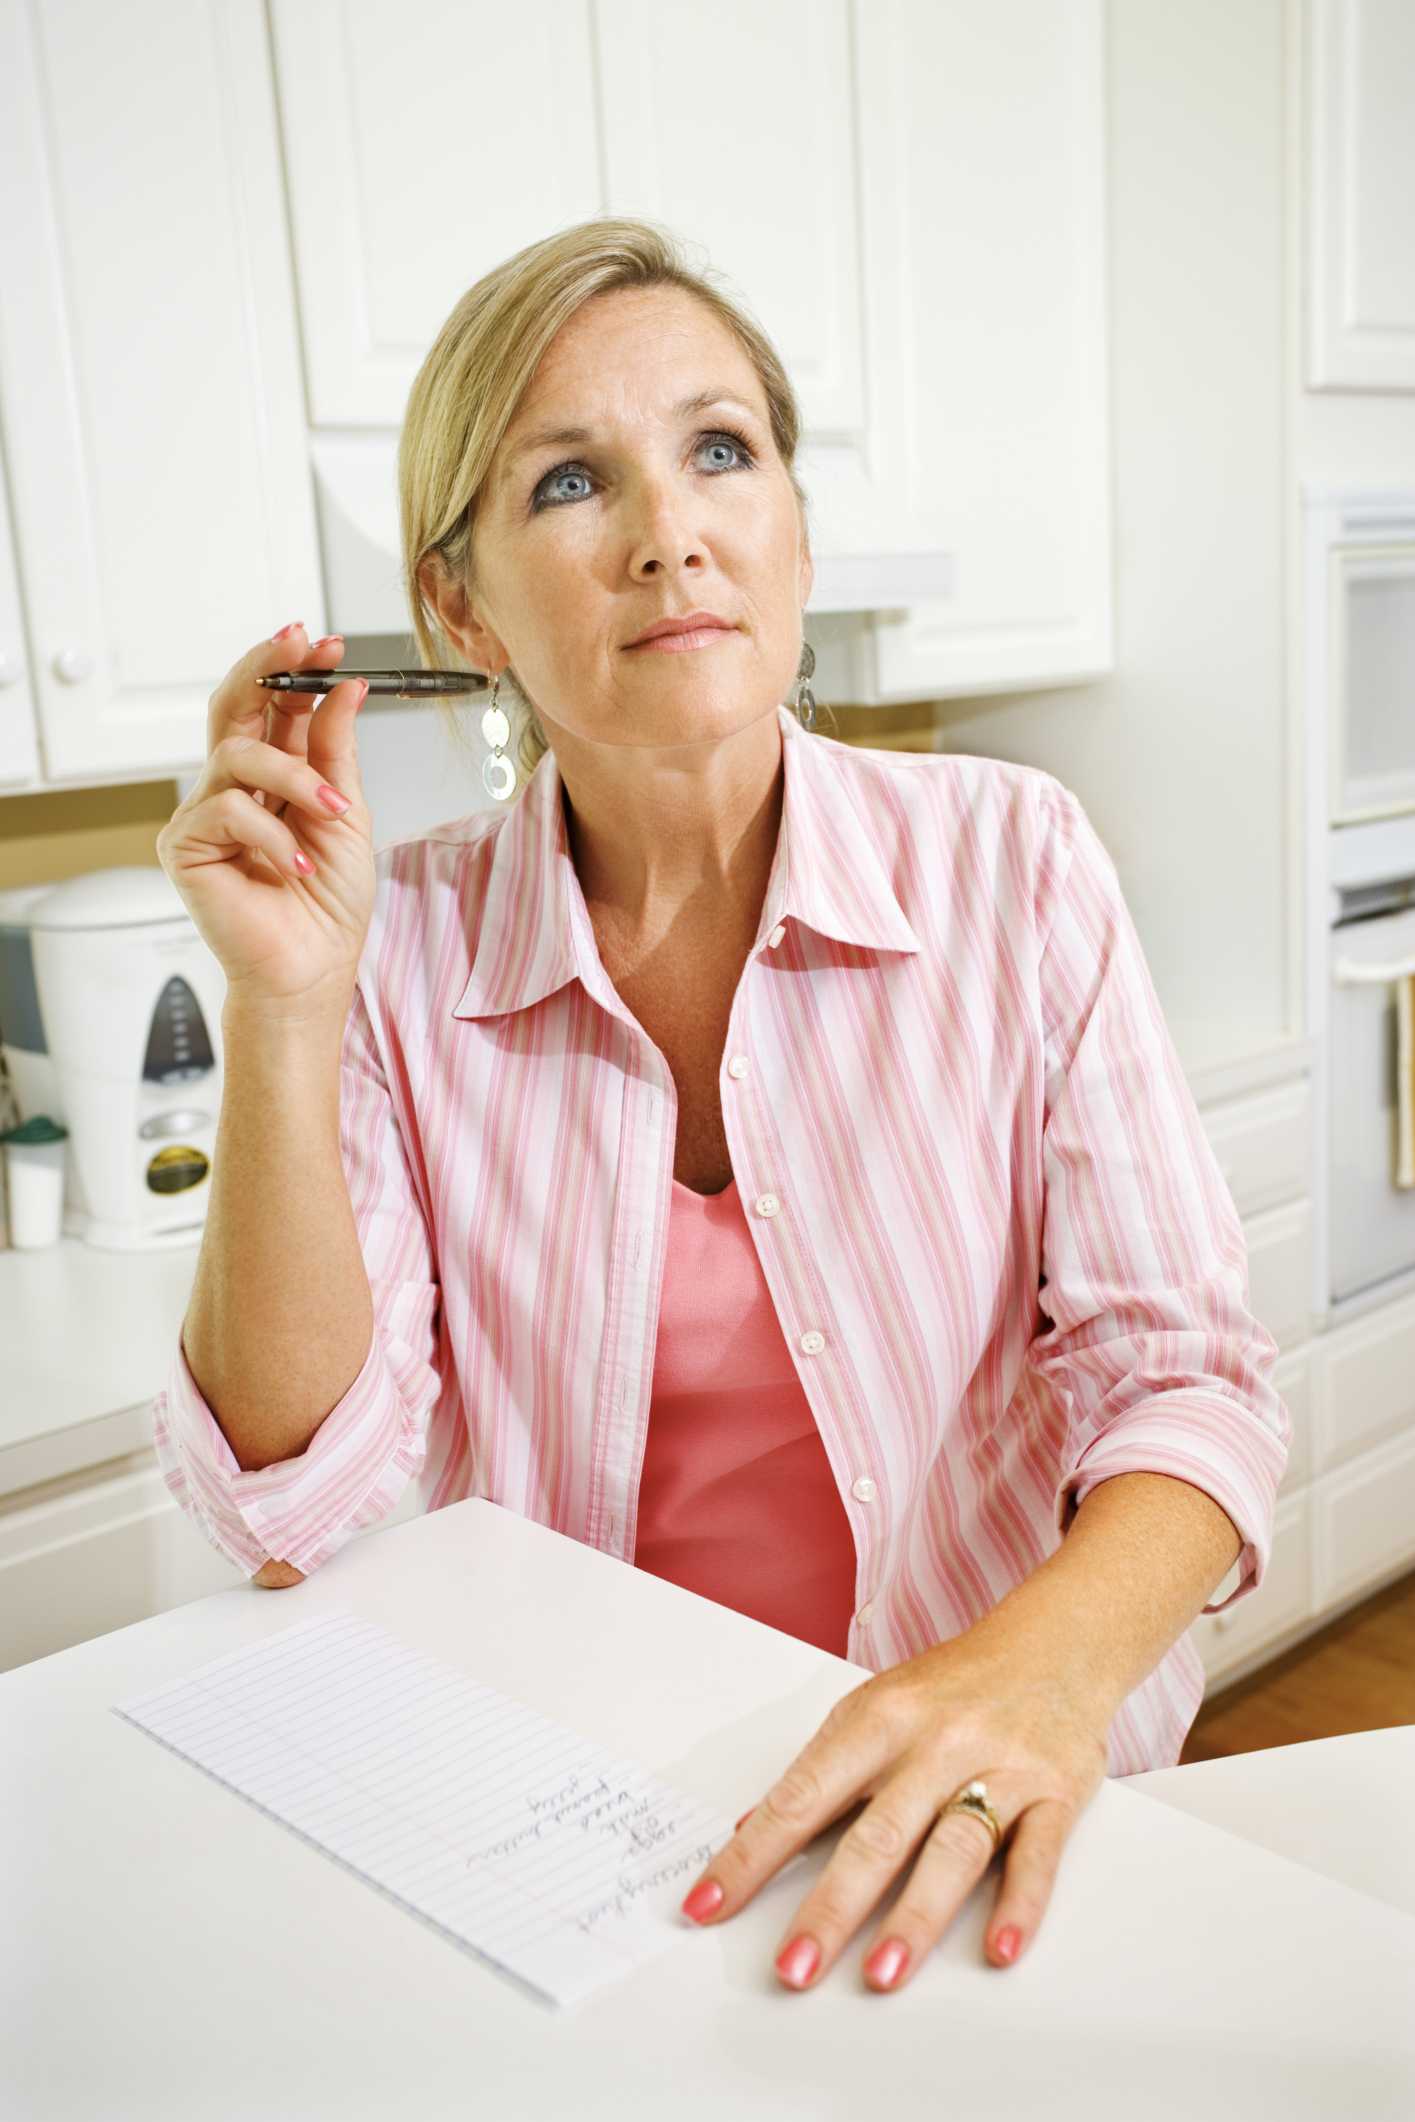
[(886, 1963), (705, 1897), (798, 1962), (286, 631)]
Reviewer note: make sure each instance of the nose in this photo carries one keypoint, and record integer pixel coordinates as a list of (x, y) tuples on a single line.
[(665, 540)]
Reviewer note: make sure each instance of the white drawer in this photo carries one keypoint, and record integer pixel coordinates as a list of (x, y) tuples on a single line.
[(1279, 1245), (97, 1551), (1364, 1526), (1363, 1382), (1264, 1145), (1281, 1602), (1292, 1381)]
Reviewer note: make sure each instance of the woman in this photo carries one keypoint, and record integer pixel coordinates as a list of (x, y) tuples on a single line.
[(709, 1123)]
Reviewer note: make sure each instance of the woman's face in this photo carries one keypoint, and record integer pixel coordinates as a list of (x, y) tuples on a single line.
[(660, 510)]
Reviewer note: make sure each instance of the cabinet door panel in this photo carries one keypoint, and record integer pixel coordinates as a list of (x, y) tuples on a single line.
[(19, 752), (84, 1556), (1365, 1522), (993, 120), (502, 103), (745, 130), (1360, 151), (147, 368)]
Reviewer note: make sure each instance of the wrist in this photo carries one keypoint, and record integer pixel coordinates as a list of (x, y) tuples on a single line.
[(305, 1015)]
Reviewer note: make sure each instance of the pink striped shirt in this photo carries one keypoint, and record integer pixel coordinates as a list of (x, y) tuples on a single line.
[(995, 1234)]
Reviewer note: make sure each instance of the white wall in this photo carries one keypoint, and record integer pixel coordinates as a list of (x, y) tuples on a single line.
[(1188, 759)]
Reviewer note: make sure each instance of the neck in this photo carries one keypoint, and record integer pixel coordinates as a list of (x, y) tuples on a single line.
[(675, 835)]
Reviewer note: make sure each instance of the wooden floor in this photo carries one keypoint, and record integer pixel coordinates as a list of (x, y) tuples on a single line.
[(1357, 1674)]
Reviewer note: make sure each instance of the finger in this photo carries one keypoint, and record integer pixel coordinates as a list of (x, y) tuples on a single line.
[(1032, 1861), (230, 825), (955, 1856), (827, 1778), (290, 715), (239, 706), (248, 768), (864, 1864), (330, 737), (712, 1902)]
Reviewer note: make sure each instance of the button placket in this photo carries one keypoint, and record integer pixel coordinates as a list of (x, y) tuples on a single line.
[(812, 1341)]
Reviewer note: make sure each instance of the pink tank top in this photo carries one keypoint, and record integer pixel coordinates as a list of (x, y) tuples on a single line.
[(737, 1500)]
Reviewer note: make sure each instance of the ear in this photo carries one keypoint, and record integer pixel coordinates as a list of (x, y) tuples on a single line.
[(459, 623), (808, 576)]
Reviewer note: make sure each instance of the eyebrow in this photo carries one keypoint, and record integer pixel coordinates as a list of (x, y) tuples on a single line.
[(543, 437)]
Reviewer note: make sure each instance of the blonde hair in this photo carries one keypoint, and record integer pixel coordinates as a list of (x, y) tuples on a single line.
[(465, 396)]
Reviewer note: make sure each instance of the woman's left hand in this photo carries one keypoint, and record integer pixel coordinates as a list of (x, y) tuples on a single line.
[(995, 1703)]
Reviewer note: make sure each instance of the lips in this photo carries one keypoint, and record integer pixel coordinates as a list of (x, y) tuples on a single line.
[(688, 623)]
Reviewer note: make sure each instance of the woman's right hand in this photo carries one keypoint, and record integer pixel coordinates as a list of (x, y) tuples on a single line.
[(289, 940)]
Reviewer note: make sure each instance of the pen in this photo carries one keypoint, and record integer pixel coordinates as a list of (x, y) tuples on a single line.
[(402, 684)]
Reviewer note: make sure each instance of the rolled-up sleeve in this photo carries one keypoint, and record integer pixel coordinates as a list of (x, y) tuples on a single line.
[(1163, 1367), (373, 1440)]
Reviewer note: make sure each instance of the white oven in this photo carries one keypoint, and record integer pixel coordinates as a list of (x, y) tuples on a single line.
[(1372, 1218), (1359, 686)]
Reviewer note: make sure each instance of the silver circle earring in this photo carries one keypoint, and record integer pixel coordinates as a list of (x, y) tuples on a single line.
[(805, 698), (497, 772)]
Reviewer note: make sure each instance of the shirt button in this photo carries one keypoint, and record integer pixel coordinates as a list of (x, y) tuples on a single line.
[(776, 935), (865, 1615), (813, 1342), (738, 1065), (767, 1205), (863, 1490)]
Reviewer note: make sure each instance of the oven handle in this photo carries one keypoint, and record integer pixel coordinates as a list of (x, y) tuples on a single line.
[(1351, 973)]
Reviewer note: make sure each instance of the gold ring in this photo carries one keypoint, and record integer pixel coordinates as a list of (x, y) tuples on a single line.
[(973, 1798)]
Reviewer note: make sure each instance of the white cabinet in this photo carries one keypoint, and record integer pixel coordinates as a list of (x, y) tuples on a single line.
[(910, 197), (1365, 1385), (94, 1551), (984, 172), (19, 748), (149, 386), (1365, 1522), (86, 1554), (1360, 59)]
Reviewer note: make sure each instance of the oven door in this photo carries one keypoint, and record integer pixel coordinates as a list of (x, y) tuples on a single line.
[(1372, 1227)]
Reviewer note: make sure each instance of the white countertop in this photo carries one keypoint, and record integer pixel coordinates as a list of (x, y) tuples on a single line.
[(1235, 1939), (88, 1339)]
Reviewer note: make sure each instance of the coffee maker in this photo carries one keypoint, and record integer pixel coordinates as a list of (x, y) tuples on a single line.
[(110, 1020)]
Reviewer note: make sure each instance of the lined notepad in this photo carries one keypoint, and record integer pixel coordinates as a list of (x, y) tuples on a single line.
[(556, 1861)]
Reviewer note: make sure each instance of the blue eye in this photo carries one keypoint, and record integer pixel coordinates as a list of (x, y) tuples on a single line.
[(717, 436)]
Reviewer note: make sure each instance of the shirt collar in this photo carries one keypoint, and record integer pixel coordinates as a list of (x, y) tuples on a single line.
[(535, 932)]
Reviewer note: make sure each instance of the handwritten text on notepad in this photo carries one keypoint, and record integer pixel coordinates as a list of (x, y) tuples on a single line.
[(541, 1852)]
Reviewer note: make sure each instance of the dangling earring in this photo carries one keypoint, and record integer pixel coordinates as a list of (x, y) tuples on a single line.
[(805, 698), (497, 772)]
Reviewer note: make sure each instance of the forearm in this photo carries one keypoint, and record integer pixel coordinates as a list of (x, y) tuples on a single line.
[(281, 1314), (1143, 1556)]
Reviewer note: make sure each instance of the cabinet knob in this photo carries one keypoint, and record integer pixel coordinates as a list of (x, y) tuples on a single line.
[(73, 666), (11, 669)]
